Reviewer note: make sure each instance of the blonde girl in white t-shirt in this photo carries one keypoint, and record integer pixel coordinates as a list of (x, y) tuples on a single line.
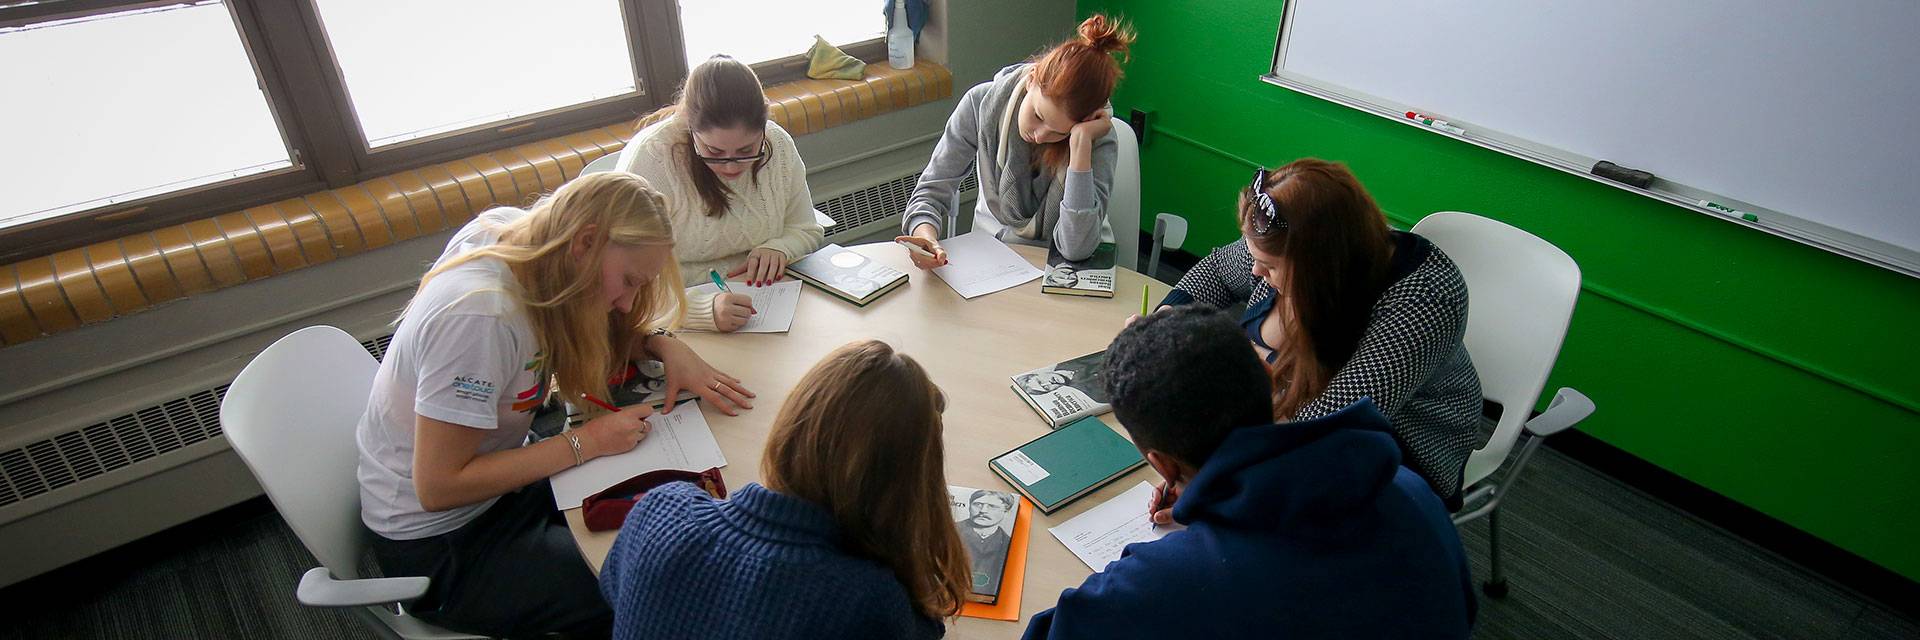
[(521, 302)]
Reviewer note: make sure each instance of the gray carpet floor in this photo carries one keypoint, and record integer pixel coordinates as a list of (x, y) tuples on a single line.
[(1587, 557)]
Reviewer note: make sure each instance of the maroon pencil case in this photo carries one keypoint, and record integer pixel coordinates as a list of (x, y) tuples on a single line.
[(606, 510)]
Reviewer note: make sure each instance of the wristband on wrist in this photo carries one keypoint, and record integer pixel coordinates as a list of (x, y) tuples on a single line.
[(573, 440)]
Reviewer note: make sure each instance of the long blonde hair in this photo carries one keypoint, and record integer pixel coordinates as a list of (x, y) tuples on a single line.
[(583, 344), (860, 436)]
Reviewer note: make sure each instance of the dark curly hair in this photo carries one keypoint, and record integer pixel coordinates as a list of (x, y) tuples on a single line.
[(1180, 380)]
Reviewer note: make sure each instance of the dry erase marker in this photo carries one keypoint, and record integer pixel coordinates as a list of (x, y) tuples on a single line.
[(1143, 300), (718, 281), (1435, 123), (914, 248), (1730, 211)]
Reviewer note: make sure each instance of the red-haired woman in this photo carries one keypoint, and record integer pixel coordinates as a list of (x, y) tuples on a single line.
[(1041, 136)]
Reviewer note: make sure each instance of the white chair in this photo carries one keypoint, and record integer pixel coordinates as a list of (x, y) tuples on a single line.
[(291, 416), (1169, 232), (602, 163), (1123, 201), (1521, 291)]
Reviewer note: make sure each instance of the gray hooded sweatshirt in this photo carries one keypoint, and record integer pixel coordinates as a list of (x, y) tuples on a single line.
[(1018, 201)]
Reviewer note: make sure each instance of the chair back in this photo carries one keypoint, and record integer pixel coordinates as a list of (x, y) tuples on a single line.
[(1123, 200), (291, 415), (602, 163), (1521, 292)]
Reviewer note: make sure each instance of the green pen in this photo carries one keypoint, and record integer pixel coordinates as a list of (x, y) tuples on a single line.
[(718, 281), (1143, 299)]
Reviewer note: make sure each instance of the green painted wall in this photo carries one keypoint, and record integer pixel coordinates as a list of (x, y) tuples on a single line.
[(1779, 375)]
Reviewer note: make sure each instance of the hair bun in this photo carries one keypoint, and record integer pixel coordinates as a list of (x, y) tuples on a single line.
[(1106, 34)]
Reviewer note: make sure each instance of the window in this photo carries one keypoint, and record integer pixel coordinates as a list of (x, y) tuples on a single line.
[(767, 30), (148, 113), (126, 105), (424, 67)]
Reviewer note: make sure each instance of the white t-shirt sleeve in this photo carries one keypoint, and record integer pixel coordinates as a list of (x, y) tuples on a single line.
[(467, 363)]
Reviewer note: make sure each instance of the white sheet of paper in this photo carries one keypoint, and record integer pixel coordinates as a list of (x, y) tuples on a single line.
[(1024, 468), (979, 264), (679, 440), (1098, 535), (773, 304)]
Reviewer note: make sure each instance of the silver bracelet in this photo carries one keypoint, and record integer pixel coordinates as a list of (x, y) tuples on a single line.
[(573, 440)]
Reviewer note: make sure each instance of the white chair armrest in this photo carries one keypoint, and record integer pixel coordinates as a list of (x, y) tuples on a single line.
[(1568, 408), (319, 589)]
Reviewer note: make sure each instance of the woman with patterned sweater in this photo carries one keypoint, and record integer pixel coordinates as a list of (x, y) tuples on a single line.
[(735, 185), (1341, 307)]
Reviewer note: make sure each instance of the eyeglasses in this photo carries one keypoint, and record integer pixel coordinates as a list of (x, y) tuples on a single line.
[(734, 159), (1269, 219)]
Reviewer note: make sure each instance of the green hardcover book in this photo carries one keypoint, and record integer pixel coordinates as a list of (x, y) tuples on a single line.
[(1057, 468)]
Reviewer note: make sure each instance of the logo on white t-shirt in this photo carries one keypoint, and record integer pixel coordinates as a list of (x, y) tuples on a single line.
[(471, 388)]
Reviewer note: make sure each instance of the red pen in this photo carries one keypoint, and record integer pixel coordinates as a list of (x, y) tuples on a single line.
[(603, 404)]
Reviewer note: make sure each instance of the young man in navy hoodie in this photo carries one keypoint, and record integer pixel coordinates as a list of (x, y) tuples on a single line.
[(1295, 530)]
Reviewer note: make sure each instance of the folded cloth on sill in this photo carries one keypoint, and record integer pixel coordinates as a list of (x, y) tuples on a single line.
[(828, 62)]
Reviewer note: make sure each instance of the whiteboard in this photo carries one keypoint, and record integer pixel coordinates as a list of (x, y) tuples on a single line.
[(1804, 114)]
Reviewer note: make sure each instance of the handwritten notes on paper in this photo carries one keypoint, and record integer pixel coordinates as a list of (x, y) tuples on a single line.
[(773, 304), (1098, 536), (979, 264), (679, 440)]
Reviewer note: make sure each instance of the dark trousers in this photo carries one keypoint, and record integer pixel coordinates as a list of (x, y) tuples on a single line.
[(514, 572)]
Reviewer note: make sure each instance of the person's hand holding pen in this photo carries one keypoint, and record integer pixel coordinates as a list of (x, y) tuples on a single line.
[(614, 433), (731, 311), (1161, 509), (923, 247)]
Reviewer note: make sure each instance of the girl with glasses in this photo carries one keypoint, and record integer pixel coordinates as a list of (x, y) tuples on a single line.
[(1040, 136), (1342, 307), (735, 185)]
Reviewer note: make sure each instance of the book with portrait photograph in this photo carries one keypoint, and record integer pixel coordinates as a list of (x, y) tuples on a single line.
[(847, 275), (985, 520), (1066, 391), (1093, 276)]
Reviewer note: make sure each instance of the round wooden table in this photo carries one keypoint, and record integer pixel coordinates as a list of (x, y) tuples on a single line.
[(971, 348)]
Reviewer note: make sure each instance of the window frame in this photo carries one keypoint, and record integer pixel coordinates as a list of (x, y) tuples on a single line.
[(306, 94), (115, 220)]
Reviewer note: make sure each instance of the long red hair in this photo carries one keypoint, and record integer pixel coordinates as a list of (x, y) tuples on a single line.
[(1080, 74), (1337, 246)]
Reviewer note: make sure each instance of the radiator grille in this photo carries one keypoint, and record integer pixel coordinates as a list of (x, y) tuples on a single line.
[(121, 441), (879, 202)]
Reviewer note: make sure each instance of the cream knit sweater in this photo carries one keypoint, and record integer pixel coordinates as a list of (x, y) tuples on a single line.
[(774, 210)]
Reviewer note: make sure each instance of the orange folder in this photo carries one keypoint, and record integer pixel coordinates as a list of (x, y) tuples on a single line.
[(1007, 606)]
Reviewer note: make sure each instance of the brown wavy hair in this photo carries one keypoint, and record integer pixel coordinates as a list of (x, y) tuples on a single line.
[(860, 435), (1080, 74), (721, 93), (1336, 246)]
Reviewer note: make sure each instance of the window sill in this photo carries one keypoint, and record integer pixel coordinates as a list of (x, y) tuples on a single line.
[(99, 282)]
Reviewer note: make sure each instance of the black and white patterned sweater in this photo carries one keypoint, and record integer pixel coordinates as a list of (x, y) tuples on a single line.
[(1411, 360)]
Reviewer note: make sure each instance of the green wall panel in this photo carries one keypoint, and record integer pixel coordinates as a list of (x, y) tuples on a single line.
[(1774, 373)]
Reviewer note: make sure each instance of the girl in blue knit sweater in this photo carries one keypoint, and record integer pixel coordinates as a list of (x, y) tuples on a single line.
[(850, 537)]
